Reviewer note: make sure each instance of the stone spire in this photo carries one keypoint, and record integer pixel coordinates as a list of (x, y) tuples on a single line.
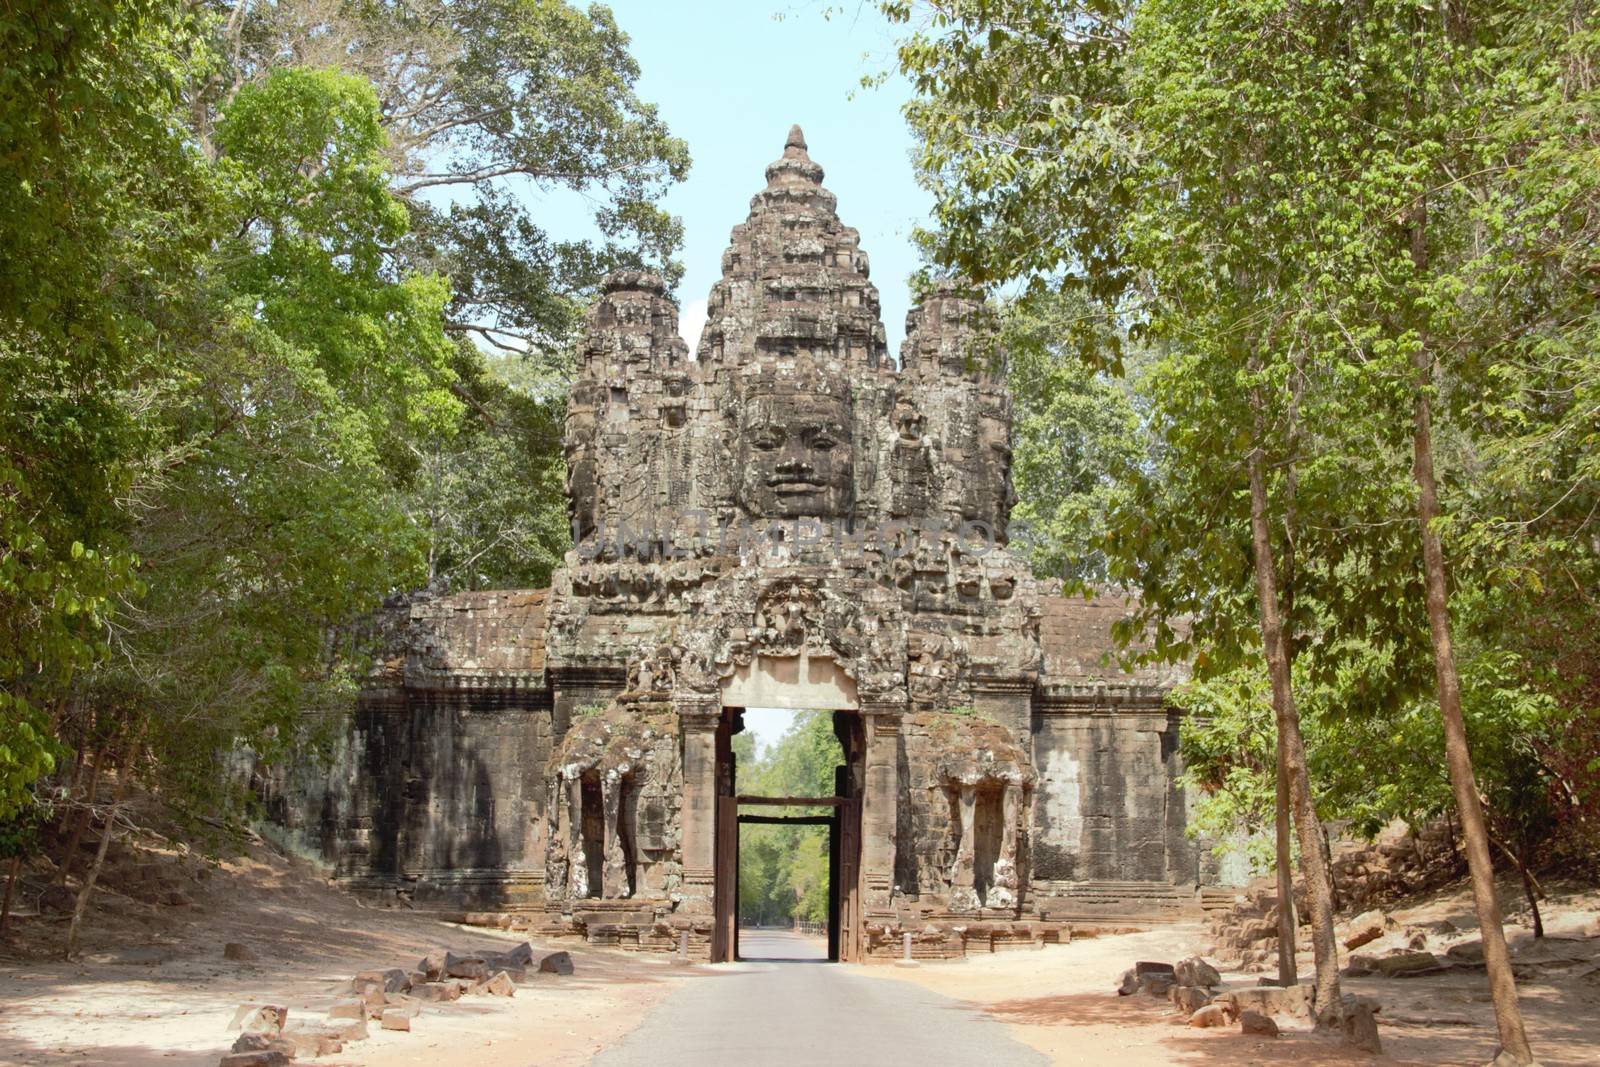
[(626, 445), (794, 288)]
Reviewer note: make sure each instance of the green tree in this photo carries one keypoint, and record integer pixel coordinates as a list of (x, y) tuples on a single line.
[(1338, 224), (95, 217), (480, 101), (491, 495), (1075, 434)]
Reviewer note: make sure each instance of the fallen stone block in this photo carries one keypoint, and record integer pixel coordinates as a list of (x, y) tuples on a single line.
[(1408, 965), (1189, 999), (1147, 976), (394, 979), (1361, 1029), (309, 1043), (354, 1008), (432, 966), (1253, 1022), (259, 1018), (500, 985), (1195, 971), (472, 968), (1157, 985), (1466, 952), (1364, 929), (396, 1020), (238, 952), (343, 1029), (437, 992), (556, 963), (521, 956), (369, 990), (263, 1043), (1295, 1000), (1212, 1015), (269, 1058), (324, 1039)]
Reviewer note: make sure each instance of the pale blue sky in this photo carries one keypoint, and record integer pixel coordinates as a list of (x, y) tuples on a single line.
[(730, 79)]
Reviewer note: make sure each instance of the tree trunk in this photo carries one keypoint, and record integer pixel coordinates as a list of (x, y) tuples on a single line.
[(124, 773), (1288, 921), (1327, 859), (79, 827), (1318, 891), (1475, 835), (1530, 889), (1288, 974), (11, 892)]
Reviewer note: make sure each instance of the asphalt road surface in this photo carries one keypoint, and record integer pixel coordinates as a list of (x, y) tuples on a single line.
[(776, 1009)]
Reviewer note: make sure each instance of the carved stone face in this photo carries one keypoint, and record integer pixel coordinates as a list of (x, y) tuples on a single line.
[(990, 496), (796, 457)]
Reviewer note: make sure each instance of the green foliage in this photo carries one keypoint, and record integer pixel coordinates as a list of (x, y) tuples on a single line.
[(1365, 765), (240, 408), (492, 495), (95, 227), (484, 101), (1304, 216), (1076, 436)]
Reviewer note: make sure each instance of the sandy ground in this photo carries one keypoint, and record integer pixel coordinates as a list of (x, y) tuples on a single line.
[(158, 991), (1062, 1001), (152, 986)]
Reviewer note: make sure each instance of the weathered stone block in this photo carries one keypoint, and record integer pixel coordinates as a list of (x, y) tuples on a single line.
[(438, 992), (1212, 1015), (1189, 999), (1364, 929), (1253, 1022), (556, 963), (259, 1018), (1408, 964), (1195, 971)]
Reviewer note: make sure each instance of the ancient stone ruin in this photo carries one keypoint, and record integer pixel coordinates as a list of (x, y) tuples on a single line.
[(788, 518)]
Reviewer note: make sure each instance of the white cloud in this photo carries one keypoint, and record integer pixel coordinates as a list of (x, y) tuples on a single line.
[(691, 320)]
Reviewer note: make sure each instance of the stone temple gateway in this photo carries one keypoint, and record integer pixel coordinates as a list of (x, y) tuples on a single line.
[(789, 519)]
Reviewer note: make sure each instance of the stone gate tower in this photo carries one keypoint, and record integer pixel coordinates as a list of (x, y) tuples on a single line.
[(787, 518)]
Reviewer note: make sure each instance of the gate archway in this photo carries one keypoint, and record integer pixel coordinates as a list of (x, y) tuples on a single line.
[(806, 683)]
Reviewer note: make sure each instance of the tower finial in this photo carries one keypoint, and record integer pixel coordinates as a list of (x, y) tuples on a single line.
[(797, 139)]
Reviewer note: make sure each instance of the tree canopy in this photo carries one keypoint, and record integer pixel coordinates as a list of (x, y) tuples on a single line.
[(281, 337)]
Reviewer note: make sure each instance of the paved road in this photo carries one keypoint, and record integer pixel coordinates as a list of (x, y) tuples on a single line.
[(766, 1011)]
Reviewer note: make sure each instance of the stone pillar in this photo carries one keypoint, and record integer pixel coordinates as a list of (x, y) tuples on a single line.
[(699, 718), (963, 891), (577, 857), (1004, 885), (880, 805), (614, 867)]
